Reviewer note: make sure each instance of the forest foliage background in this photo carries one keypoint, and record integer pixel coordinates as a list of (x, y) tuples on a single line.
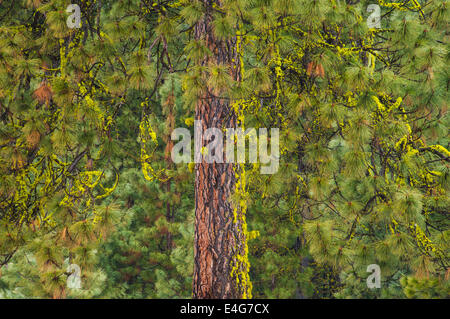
[(86, 116)]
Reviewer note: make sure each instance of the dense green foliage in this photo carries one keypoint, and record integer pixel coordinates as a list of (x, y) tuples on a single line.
[(86, 116)]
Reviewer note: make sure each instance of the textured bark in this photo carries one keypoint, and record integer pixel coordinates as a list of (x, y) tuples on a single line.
[(215, 231)]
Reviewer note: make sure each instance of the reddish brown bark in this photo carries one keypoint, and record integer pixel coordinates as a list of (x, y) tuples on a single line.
[(215, 232)]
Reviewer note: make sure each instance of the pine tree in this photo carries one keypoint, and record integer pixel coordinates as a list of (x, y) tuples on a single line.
[(216, 235), (363, 168), (362, 185)]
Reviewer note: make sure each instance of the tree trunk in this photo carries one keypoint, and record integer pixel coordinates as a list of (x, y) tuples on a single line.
[(215, 230)]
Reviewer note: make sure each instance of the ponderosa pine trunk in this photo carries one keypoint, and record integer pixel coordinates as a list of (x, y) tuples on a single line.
[(215, 230)]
